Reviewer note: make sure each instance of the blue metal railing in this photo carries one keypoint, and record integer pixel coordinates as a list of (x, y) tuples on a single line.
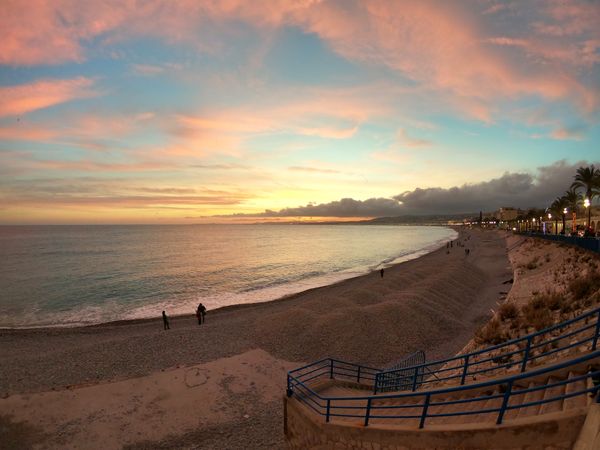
[(516, 353), (405, 375), (588, 243), (423, 405)]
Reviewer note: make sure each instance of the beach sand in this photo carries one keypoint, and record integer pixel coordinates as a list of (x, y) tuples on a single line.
[(220, 385)]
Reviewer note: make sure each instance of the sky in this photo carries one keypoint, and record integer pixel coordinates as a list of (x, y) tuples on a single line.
[(194, 111)]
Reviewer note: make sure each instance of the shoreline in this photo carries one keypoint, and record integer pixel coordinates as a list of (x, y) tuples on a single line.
[(141, 320)]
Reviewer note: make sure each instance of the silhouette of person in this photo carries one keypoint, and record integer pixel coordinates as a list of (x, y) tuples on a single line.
[(381, 272), (165, 321), (199, 313), (202, 312)]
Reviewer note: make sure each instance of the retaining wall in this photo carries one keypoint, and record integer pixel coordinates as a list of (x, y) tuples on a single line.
[(304, 429)]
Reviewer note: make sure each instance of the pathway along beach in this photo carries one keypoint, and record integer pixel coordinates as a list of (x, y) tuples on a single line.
[(219, 385)]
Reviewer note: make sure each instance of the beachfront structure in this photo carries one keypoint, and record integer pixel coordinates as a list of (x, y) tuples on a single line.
[(536, 391), (506, 214)]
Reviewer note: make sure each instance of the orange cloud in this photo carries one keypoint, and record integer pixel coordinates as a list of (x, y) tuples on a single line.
[(25, 98), (409, 141)]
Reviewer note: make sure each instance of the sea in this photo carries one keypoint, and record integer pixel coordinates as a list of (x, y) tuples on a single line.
[(82, 275)]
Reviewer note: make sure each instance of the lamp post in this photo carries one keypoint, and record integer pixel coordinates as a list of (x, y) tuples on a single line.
[(550, 220), (586, 203), (565, 211)]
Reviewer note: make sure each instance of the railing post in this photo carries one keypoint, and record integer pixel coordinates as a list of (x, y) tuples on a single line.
[(328, 407), (331, 368), (526, 355), (424, 414), (414, 383), (358, 375), (504, 402), (595, 341), (376, 382), (289, 390), (465, 369), (368, 412)]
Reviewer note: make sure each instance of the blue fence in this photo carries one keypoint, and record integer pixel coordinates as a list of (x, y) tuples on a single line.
[(424, 405), (518, 353), (589, 243), (403, 376)]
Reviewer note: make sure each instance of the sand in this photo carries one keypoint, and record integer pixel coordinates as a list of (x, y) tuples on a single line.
[(124, 384)]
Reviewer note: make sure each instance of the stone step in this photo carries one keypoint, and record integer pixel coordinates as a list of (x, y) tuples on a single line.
[(477, 406), (552, 392), (590, 384), (516, 399), (531, 397), (579, 400)]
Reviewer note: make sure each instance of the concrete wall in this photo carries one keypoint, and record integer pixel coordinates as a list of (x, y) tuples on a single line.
[(304, 429), (589, 438)]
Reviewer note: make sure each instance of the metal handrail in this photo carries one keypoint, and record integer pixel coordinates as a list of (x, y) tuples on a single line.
[(304, 393), (468, 361)]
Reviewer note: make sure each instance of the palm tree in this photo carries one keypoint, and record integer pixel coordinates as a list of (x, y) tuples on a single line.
[(558, 209), (573, 200), (588, 178)]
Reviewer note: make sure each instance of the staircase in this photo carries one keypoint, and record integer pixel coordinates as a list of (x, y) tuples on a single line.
[(532, 397), (546, 379)]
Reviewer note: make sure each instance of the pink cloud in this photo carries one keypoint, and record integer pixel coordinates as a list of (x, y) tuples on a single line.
[(443, 46), (25, 98), (565, 133), (569, 18), (409, 141)]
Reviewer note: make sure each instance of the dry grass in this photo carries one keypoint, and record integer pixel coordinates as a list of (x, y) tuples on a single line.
[(538, 312), (537, 318), (491, 333), (582, 287), (508, 311)]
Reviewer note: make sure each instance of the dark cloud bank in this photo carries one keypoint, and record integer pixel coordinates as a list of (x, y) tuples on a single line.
[(522, 190)]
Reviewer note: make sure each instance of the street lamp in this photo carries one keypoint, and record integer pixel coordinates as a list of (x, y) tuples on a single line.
[(565, 211), (586, 203)]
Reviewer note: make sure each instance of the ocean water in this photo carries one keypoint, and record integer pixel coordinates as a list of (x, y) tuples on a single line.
[(76, 275)]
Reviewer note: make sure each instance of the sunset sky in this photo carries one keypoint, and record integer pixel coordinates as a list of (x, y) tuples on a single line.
[(202, 111)]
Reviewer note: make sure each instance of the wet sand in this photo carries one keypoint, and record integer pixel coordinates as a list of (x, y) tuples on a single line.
[(432, 303)]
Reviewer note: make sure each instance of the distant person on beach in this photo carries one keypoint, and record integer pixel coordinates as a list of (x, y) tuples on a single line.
[(199, 313), (165, 321), (381, 272), (202, 309)]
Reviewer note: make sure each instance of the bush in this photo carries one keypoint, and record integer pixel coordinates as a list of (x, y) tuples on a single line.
[(531, 265), (536, 317), (491, 333), (508, 311), (582, 287)]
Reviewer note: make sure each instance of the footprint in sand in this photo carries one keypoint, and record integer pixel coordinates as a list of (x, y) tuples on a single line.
[(195, 377)]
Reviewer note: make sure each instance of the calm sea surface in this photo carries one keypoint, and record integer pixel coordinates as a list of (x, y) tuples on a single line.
[(73, 275)]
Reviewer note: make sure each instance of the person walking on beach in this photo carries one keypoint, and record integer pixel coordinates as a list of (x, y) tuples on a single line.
[(381, 272), (202, 312), (165, 321), (199, 313)]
